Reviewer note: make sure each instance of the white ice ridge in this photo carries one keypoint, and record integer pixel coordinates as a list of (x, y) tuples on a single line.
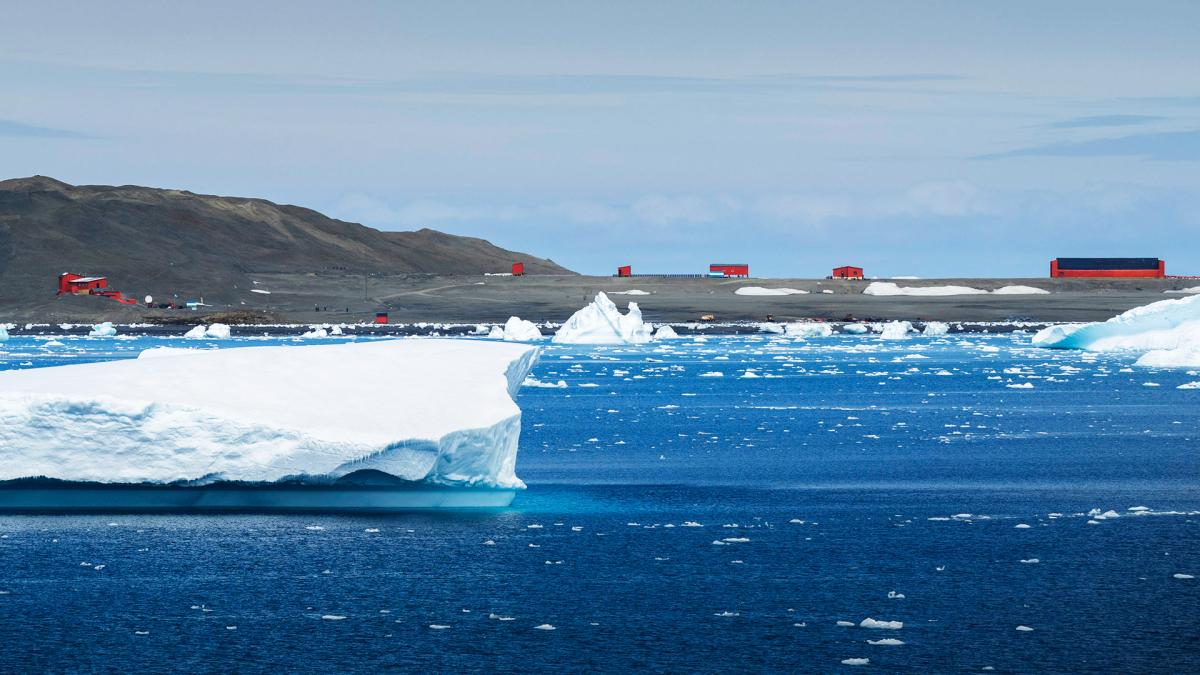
[(601, 323), (440, 411), (1167, 333), (889, 288)]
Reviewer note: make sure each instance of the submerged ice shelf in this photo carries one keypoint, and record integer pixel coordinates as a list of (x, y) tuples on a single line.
[(438, 411)]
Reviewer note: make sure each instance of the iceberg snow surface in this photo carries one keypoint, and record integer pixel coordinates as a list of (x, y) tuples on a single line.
[(601, 323), (1167, 331), (437, 411)]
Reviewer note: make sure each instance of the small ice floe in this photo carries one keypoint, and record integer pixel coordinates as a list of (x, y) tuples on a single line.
[(333, 617), (1138, 509), (534, 526), (489, 542), (1021, 385), (544, 626), (105, 329), (940, 568), (802, 624), (438, 626), (1024, 629), (893, 595), (141, 632), (882, 625), (713, 373), (497, 617), (314, 528), (691, 523), (230, 627), (1181, 575), (736, 540), (1022, 526), (1030, 561), (371, 530), (315, 332), (856, 662), (889, 642), (718, 542), (796, 521), (534, 382), (727, 614), (846, 624)]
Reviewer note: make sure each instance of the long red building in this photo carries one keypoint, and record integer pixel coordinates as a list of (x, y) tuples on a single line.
[(1152, 268), (730, 269)]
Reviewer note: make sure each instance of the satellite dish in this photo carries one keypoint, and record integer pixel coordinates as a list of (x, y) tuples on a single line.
[(149, 300)]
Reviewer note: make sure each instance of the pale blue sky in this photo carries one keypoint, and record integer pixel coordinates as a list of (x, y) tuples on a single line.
[(924, 138)]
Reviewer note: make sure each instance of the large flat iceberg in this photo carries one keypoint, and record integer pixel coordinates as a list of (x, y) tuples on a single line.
[(1167, 332), (438, 411), (601, 323)]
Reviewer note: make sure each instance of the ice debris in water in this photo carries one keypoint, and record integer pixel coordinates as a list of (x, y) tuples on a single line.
[(105, 329), (217, 330), (935, 328), (602, 323), (517, 329), (884, 625), (891, 642), (1167, 333), (856, 662), (895, 330), (177, 417)]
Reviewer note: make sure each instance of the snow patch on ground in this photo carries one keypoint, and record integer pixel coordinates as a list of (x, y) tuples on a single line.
[(759, 290)]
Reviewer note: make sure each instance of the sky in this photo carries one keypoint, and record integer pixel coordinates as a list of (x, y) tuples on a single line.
[(926, 138)]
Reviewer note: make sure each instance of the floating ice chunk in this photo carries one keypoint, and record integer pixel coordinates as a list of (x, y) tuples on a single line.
[(893, 595), (1020, 385), (856, 662), (1180, 575), (1189, 385), (602, 323), (846, 624), (179, 418), (533, 382), (315, 332), (105, 329), (665, 332), (885, 288), (1030, 561), (890, 642), (1167, 331), (1024, 629), (333, 617), (3, 333), (935, 328), (544, 626), (896, 330), (759, 290), (712, 373), (438, 626), (808, 329), (855, 328), (883, 625), (195, 332), (1021, 526), (517, 329), (774, 328)]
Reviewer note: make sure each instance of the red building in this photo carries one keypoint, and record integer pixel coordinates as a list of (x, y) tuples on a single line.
[(729, 269), (847, 272), (381, 317), (625, 271), (1152, 268), (518, 269), (77, 284)]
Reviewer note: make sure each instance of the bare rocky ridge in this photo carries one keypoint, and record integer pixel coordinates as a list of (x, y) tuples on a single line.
[(177, 244)]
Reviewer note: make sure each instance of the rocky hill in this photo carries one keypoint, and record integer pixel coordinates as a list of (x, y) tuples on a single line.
[(174, 243)]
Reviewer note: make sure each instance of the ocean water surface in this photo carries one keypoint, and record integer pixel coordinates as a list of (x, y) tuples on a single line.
[(740, 504)]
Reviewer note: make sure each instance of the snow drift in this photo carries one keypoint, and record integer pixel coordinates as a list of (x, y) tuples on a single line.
[(601, 323), (1167, 332), (439, 411), (759, 290)]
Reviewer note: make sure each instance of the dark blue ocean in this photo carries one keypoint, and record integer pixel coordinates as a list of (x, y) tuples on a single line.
[(1015, 510)]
